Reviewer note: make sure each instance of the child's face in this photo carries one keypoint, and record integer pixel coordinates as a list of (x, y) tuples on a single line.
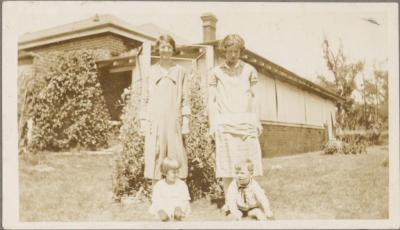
[(232, 54), (243, 176), (171, 175)]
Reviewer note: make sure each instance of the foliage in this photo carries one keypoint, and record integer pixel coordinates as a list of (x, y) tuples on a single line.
[(372, 113), (200, 148), (344, 81), (351, 141), (128, 178), (333, 147), (375, 93), (64, 98), (354, 142)]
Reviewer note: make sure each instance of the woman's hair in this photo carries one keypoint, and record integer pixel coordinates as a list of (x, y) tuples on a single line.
[(245, 164), (164, 38), (231, 40), (169, 164)]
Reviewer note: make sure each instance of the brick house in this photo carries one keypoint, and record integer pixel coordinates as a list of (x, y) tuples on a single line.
[(297, 115)]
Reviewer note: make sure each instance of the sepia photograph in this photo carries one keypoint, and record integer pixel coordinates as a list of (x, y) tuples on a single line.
[(129, 114)]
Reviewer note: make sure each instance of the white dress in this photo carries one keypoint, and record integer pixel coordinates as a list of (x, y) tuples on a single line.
[(234, 119), (167, 197)]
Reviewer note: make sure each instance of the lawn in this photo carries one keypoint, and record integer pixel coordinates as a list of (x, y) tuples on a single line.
[(77, 187)]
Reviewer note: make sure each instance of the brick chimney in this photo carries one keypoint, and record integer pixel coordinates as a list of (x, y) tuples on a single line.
[(209, 26)]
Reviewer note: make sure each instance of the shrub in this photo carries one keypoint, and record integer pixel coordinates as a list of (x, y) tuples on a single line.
[(200, 148), (128, 178), (333, 147), (66, 103), (354, 142)]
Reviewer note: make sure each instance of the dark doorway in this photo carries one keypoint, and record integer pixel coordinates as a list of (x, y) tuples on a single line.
[(113, 85)]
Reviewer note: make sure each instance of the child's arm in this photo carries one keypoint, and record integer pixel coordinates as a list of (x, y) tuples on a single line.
[(156, 199), (184, 198), (262, 198)]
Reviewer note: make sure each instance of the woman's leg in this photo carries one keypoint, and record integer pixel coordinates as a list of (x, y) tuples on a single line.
[(153, 182), (226, 182), (163, 215)]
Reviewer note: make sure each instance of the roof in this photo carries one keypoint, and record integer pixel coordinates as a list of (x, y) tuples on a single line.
[(149, 32), (283, 74), (90, 26), (156, 31), (95, 25)]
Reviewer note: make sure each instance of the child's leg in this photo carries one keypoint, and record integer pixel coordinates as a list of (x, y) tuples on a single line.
[(163, 215), (178, 213), (257, 213)]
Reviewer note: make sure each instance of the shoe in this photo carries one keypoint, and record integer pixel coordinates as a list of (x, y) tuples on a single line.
[(225, 209)]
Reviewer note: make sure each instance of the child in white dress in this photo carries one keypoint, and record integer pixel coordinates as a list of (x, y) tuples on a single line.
[(245, 196), (170, 197)]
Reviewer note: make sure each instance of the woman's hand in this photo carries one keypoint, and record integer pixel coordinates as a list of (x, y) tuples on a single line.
[(259, 129), (211, 133)]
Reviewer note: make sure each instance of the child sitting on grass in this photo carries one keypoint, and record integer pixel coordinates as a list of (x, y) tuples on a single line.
[(170, 197), (245, 197)]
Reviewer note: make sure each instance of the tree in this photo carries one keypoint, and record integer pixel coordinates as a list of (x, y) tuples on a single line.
[(344, 83), (375, 93), (381, 77), (63, 98)]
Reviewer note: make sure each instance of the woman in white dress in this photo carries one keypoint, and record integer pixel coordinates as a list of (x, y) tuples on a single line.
[(233, 111)]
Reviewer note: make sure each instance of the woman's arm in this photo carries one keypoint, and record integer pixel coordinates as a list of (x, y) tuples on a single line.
[(144, 99), (186, 111), (255, 103), (212, 102)]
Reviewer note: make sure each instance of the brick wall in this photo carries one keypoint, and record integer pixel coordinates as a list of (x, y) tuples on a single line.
[(114, 43), (279, 140)]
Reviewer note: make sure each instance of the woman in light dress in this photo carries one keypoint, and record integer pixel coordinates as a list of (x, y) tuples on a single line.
[(165, 112), (233, 115)]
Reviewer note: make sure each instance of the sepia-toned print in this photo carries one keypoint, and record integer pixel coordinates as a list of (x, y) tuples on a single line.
[(179, 112)]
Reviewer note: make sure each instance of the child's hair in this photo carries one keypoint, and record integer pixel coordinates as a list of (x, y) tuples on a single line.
[(230, 40), (169, 164), (246, 163)]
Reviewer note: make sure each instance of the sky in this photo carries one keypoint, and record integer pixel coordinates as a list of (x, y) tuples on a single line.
[(288, 34)]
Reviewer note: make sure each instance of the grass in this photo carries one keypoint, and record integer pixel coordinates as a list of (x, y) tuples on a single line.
[(306, 186)]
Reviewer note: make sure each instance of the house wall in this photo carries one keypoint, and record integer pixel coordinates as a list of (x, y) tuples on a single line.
[(295, 120), (286, 139)]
